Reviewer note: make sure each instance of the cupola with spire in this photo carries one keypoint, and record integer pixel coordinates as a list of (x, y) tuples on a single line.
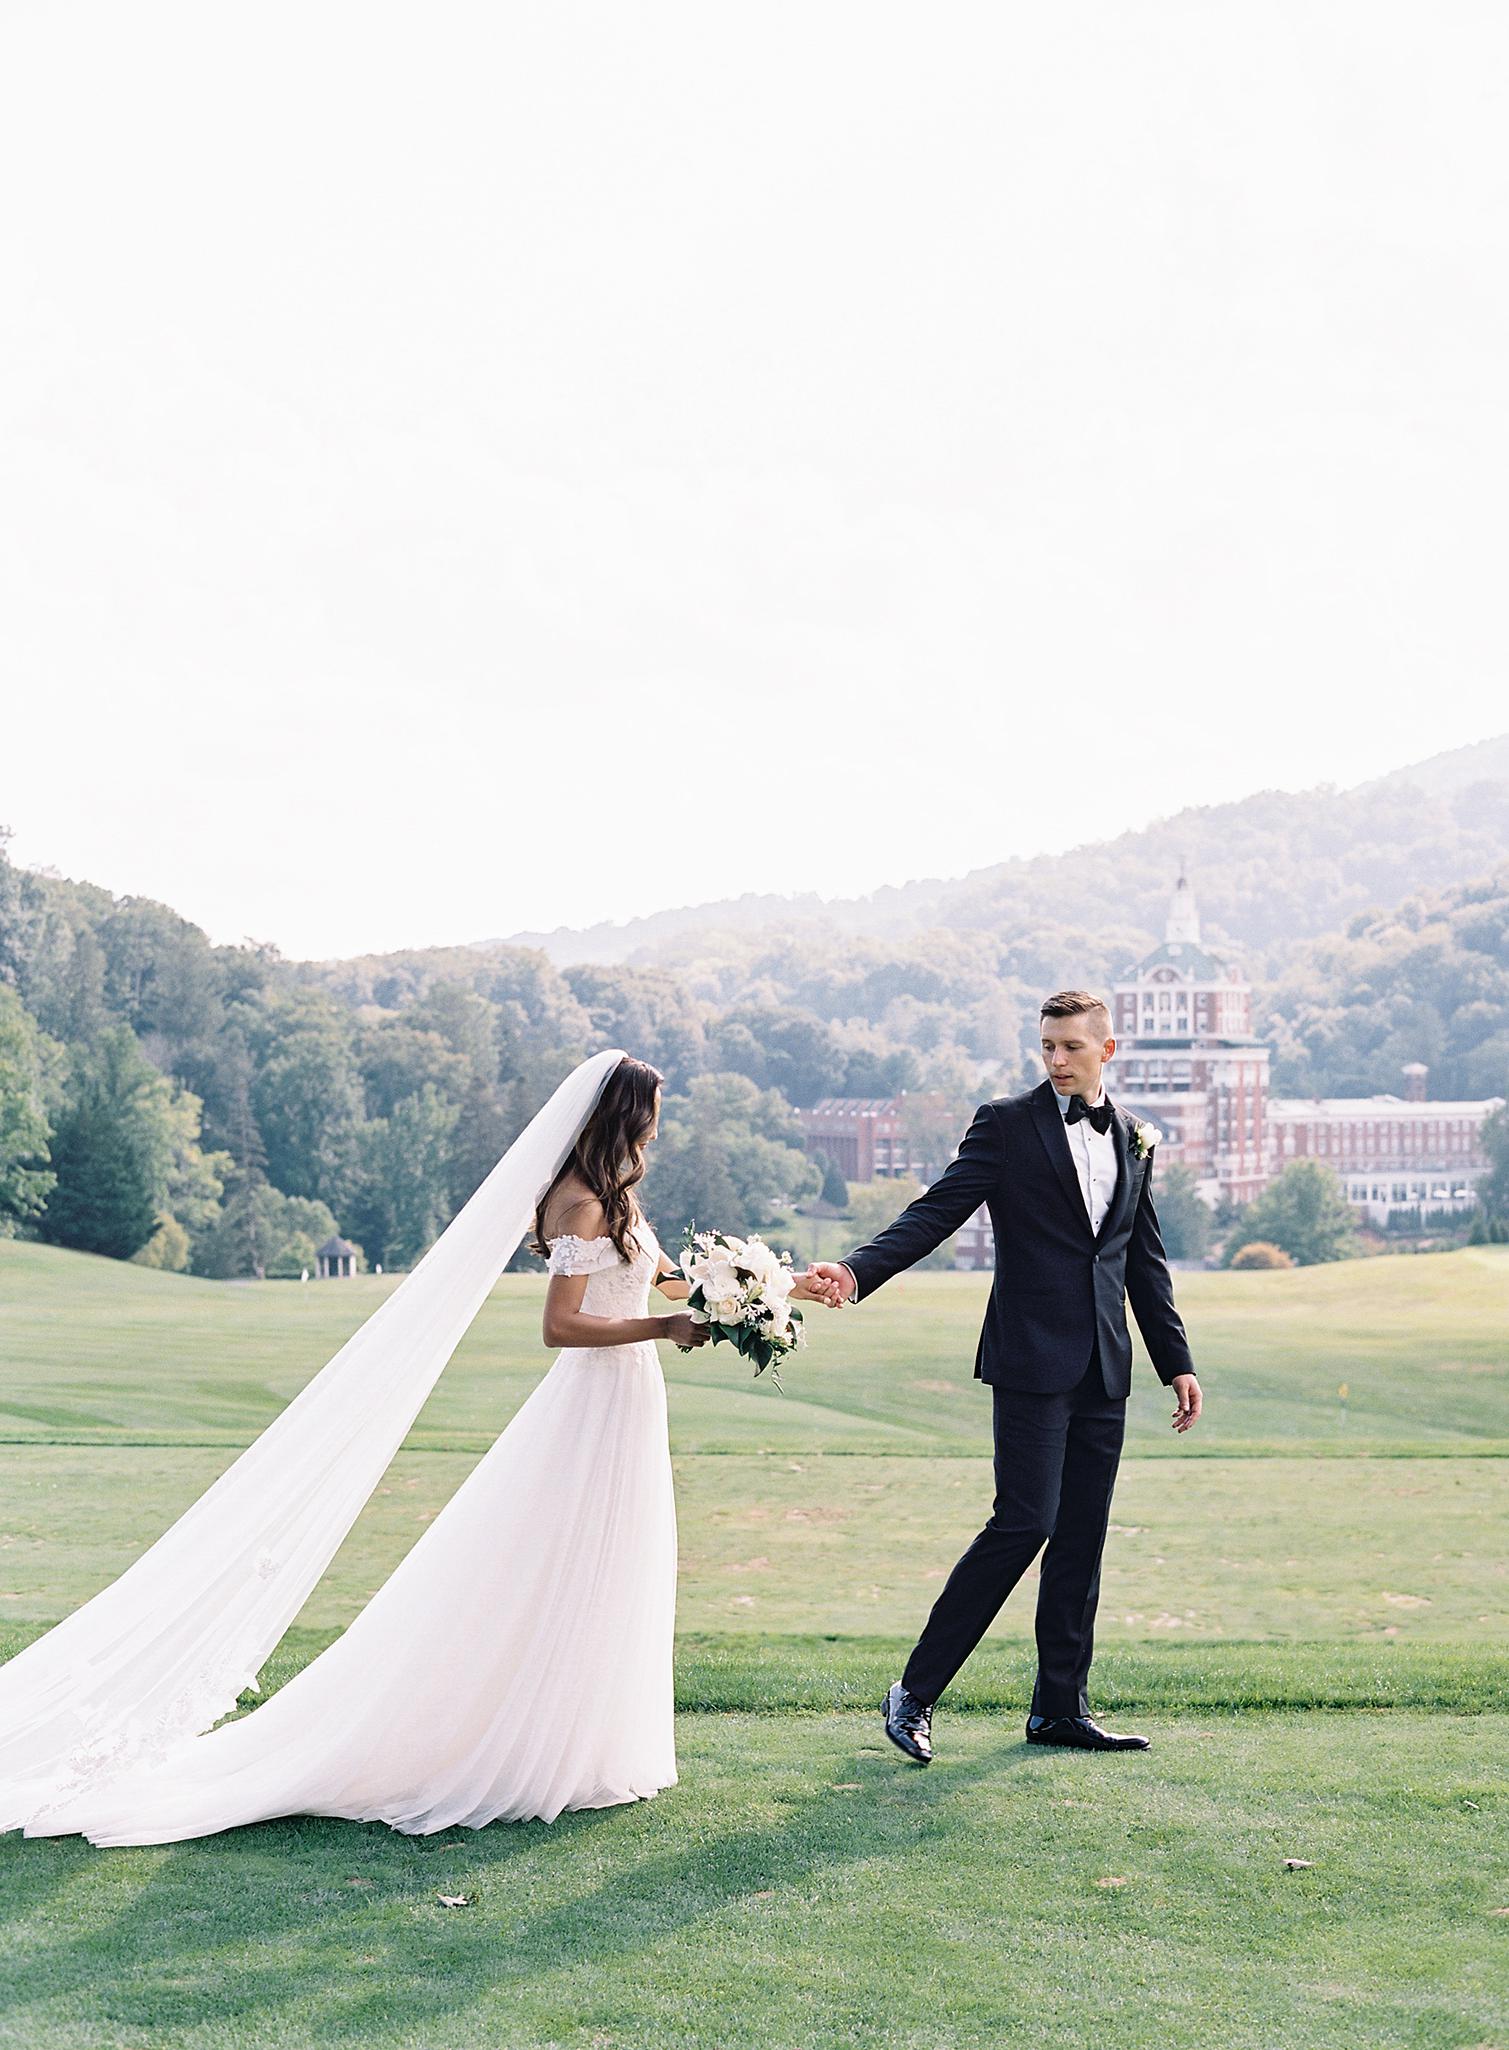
[(1183, 923)]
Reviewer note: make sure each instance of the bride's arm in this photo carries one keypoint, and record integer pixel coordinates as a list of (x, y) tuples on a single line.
[(566, 1323), (671, 1283)]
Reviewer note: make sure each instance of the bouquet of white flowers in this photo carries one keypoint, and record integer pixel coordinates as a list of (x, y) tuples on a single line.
[(740, 1289)]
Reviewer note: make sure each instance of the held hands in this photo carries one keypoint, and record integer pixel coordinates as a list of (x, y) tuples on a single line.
[(1187, 1388), (827, 1283)]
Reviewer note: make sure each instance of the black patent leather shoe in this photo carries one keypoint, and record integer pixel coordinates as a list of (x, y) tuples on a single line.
[(909, 1723), (1080, 1731)]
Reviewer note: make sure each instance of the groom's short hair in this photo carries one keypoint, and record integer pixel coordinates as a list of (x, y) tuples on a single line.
[(1070, 1003)]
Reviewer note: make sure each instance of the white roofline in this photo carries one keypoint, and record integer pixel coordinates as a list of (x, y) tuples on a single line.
[(1375, 1106)]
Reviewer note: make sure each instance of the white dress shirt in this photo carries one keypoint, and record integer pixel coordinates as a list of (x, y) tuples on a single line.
[(1094, 1157)]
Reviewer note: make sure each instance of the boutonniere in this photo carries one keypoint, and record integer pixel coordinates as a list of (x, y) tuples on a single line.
[(1144, 1138)]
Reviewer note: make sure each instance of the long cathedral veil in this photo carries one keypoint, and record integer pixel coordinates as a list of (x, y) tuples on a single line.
[(157, 1657)]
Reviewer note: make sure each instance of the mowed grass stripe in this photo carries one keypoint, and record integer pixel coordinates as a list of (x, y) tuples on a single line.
[(1383, 1550), (93, 1350), (778, 1675)]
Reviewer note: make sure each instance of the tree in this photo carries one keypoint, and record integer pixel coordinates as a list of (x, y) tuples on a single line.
[(308, 1098), (486, 1127), (872, 1206), (934, 1120), (168, 1248), (1493, 1190), (871, 1071), (193, 1181), (21, 916), (293, 1227), (794, 1052), (83, 1014), (160, 975), (190, 1183), (283, 1230), (466, 1022), (397, 1060), (728, 1156), (107, 1151), (1305, 1211), (402, 1201), (30, 1072), (238, 1244), (1183, 1219), (647, 1012), (835, 1188)]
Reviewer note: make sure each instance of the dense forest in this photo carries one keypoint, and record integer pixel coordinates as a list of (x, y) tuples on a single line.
[(221, 1110)]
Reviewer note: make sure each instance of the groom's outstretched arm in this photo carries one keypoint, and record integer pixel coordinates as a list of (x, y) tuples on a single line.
[(927, 1221), (1150, 1290)]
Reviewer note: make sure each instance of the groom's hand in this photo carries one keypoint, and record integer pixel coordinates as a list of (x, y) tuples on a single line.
[(829, 1283), (1187, 1388)]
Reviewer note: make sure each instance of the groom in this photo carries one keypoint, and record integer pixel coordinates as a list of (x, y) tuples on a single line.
[(1067, 1177)]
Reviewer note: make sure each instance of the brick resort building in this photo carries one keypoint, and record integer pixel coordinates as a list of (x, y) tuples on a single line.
[(1188, 1060)]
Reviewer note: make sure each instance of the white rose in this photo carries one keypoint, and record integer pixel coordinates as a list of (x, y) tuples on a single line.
[(720, 1279), (759, 1259), (727, 1309)]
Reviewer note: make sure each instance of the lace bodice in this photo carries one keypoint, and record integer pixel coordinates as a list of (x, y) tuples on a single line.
[(615, 1287)]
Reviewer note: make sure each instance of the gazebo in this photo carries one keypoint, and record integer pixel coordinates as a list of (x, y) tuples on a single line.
[(335, 1259)]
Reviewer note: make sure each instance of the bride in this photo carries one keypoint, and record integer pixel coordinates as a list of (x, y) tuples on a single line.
[(516, 1663)]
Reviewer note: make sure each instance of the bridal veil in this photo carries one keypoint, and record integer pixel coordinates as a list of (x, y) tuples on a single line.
[(157, 1657)]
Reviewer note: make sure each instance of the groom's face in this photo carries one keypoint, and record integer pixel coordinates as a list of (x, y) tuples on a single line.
[(1074, 1052)]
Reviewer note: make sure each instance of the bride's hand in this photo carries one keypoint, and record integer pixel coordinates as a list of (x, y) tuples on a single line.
[(817, 1286), (683, 1330)]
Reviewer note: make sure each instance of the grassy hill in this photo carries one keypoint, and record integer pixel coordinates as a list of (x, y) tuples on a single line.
[(99, 1352)]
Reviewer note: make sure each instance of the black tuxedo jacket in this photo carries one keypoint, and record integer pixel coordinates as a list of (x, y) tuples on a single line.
[(1059, 1286)]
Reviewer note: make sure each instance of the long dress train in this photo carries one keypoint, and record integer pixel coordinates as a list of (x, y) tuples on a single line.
[(518, 1662)]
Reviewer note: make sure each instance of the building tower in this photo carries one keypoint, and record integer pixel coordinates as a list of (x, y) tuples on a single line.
[(1187, 1059)]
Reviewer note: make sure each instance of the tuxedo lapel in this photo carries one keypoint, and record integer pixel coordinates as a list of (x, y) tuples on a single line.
[(1049, 1121)]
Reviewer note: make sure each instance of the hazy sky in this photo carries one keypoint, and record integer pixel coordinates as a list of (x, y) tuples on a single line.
[(475, 467)]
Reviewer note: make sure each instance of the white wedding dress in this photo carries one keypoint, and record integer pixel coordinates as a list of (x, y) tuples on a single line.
[(517, 1663)]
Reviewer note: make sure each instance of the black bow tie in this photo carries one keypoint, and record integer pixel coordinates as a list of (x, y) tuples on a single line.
[(1099, 1114)]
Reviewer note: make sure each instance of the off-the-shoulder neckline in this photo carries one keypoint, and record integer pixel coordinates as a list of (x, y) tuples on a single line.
[(602, 1239)]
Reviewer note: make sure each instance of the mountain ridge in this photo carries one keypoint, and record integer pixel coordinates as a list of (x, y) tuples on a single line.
[(1422, 825)]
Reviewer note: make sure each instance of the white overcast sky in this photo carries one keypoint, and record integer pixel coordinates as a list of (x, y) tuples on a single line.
[(468, 468)]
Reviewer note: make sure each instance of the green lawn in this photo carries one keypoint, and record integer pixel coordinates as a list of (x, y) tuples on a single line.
[(1304, 1603), (802, 1887)]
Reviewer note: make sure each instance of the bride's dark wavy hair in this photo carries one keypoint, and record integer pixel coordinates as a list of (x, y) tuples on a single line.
[(609, 1154)]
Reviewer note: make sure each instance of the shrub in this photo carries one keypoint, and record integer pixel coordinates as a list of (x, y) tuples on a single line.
[(1260, 1253)]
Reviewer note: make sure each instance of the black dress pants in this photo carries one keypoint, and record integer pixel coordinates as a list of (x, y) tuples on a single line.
[(1055, 1468)]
